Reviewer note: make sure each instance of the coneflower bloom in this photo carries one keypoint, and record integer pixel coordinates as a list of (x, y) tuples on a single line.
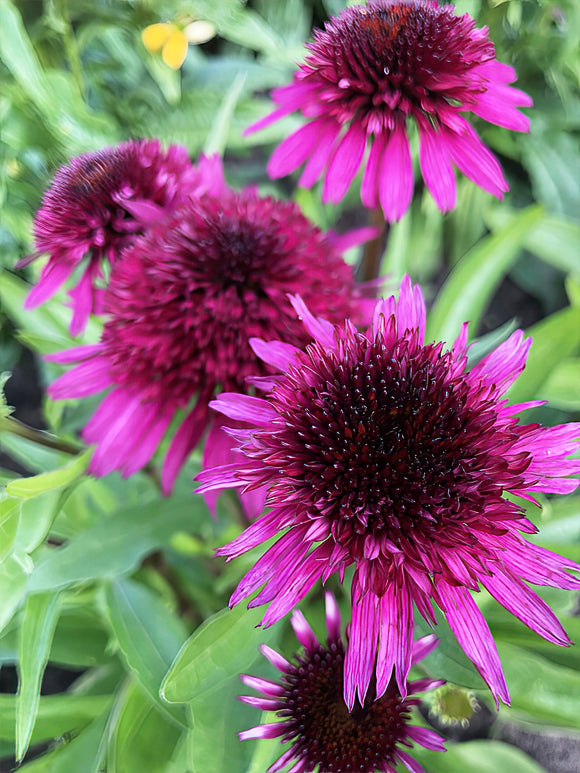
[(98, 204), (375, 70), (180, 306), (380, 451), (309, 701)]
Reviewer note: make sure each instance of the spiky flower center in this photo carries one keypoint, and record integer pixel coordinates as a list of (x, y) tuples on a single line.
[(390, 441), (183, 303), (325, 733), (409, 57)]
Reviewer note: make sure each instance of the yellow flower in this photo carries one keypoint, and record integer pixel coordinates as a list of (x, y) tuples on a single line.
[(172, 40)]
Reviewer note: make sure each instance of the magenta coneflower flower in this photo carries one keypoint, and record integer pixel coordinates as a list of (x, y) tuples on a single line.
[(373, 71), (98, 203), (180, 306), (380, 451), (324, 733)]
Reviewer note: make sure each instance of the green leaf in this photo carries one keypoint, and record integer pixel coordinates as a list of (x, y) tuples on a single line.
[(19, 55), (57, 714), (474, 279), (448, 661), (554, 339), (54, 94), (148, 634), (26, 488), (540, 690), (562, 387), (9, 521), (141, 739), (223, 647), (218, 136), (553, 239), (80, 639), (117, 543), (266, 750), (38, 624), (217, 718), (14, 571), (477, 757), (84, 752)]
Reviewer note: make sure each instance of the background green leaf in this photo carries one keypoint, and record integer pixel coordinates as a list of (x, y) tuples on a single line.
[(38, 623)]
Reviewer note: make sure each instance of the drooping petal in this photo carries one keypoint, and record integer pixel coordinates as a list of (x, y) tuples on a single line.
[(344, 164), (396, 175), (474, 636), (437, 170), (184, 441)]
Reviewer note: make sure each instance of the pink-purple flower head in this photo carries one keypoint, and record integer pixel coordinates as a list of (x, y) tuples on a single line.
[(180, 306), (380, 451), (98, 204), (371, 73), (309, 701)]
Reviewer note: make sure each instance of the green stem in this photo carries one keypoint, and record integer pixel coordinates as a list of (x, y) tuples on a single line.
[(46, 439), (39, 436)]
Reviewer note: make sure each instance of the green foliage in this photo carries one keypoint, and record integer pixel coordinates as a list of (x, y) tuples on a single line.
[(110, 578)]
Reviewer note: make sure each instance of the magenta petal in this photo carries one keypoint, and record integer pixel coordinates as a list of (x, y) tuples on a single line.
[(147, 441), (83, 299), (423, 647), (332, 616), (145, 211), (360, 656), (411, 311), (303, 631), (76, 354), (295, 149), (245, 408), (320, 329), (87, 378), (217, 451), (185, 440), (344, 164), (320, 155), (504, 364), (527, 606), (396, 176), (396, 638), (353, 238), (474, 636), (437, 170), (476, 161), (271, 730), (267, 120), (279, 354), (409, 762), (426, 738), (369, 191), (275, 658), (53, 275)]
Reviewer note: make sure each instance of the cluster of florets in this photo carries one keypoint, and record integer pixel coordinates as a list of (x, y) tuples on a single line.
[(370, 447)]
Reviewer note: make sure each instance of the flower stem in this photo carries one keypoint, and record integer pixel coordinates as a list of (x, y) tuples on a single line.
[(369, 267), (39, 436)]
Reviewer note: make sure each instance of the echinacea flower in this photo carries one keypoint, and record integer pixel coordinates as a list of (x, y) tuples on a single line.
[(375, 70), (180, 306), (314, 717), (380, 451), (98, 204)]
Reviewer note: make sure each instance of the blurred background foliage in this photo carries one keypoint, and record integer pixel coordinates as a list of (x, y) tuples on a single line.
[(116, 589)]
